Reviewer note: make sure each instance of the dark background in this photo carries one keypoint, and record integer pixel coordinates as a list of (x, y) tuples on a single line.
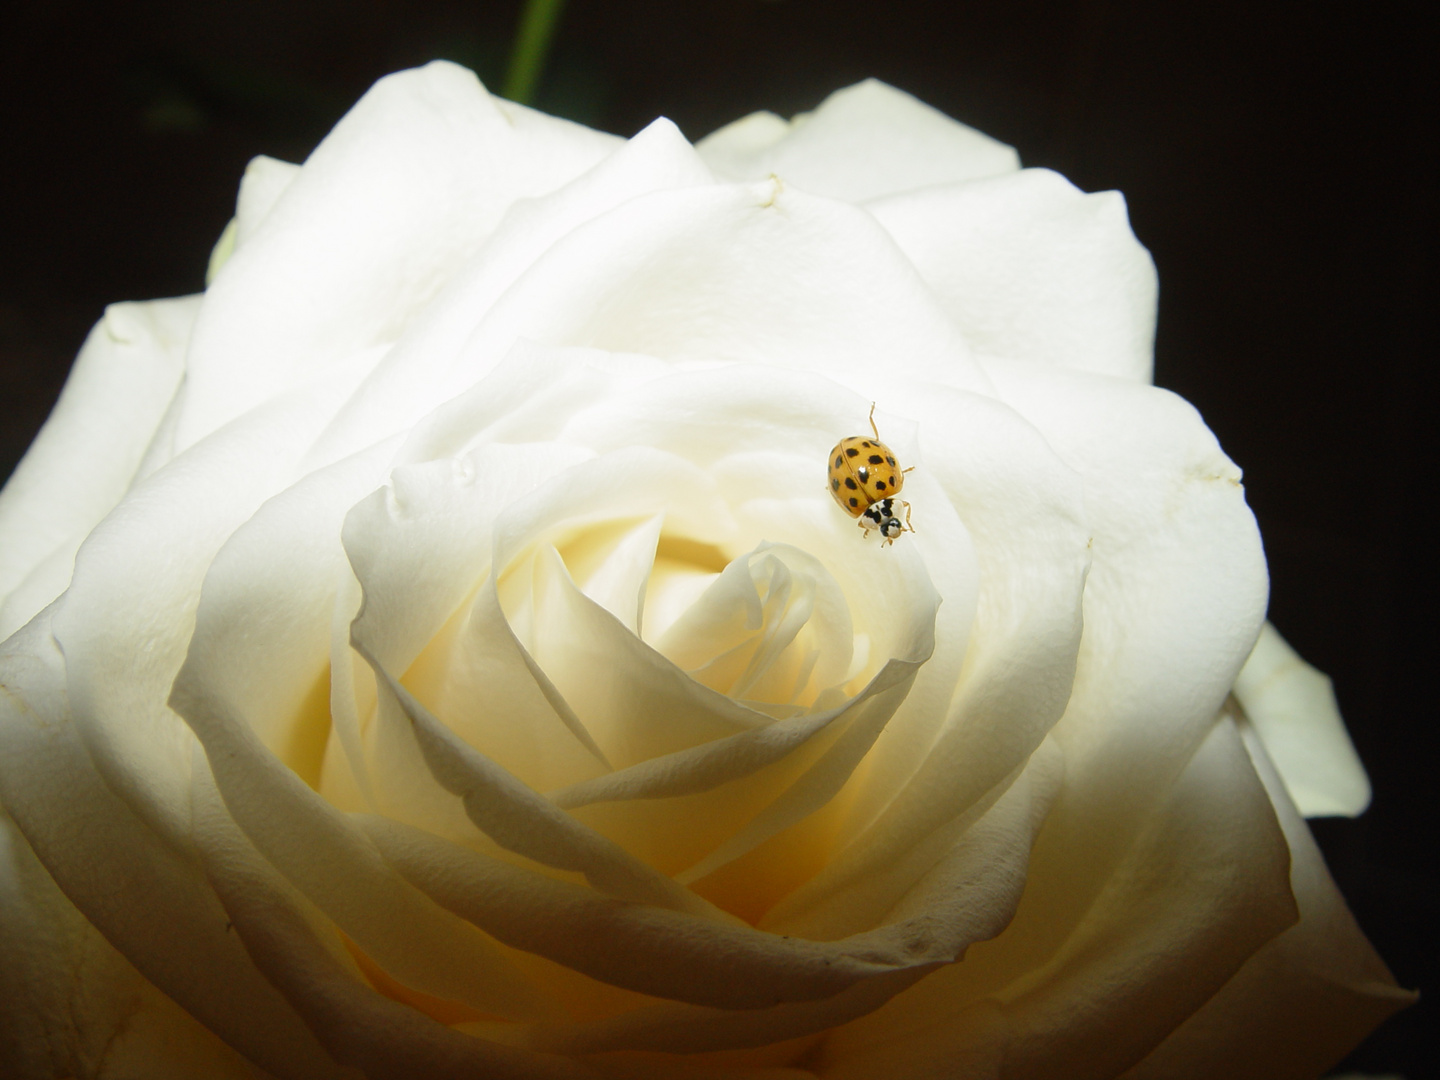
[(1277, 158)]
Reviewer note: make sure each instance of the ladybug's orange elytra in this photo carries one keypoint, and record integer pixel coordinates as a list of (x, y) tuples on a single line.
[(864, 478)]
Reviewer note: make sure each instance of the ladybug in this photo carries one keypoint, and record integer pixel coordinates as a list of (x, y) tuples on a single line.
[(864, 479)]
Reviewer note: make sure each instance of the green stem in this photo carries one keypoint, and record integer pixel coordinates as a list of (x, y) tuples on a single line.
[(532, 42)]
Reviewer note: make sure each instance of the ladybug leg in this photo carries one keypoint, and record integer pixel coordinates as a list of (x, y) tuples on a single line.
[(908, 526), (872, 422)]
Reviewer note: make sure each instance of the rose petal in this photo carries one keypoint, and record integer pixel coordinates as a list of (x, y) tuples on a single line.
[(1302, 1000), (419, 551), (495, 697), (639, 704), (763, 434), (294, 946), (532, 394), (420, 548), (421, 555), (345, 777), (263, 626), (1031, 268), (1201, 886), (423, 544), (865, 141), (613, 570), (412, 180), (969, 896), (125, 622), (141, 747), (103, 856), (418, 944), (1170, 526), (71, 1005), (775, 604), (634, 481), (265, 179), (1176, 591), (741, 414), (1293, 710), (867, 716), (964, 746), (87, 454), (729, 274), (819, 749), (520, 820), (263, 182), (649, 949), (689, 1029), (414, 378)]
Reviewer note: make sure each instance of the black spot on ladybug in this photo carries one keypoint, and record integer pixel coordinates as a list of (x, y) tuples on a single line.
[(879, 485), (863, 473), (866, 443), (840, 460), (854, 502), (834, 483), (889, 461), (850, 451), (892, 479), (850, 482), (875, 459)]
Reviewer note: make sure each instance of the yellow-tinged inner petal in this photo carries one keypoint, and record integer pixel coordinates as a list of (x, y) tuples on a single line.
[(437, 1008)]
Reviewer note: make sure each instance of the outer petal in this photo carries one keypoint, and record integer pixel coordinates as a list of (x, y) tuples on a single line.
[(411, 381), (726, 274), (1304, 999), (125, 621), (276, 581), (147, 898), (404, 189), (86, 455), (70, 1005), (863, 142), (1292, 708), (1031, 268), (1201, 886), (265, 179), (1175, 596)]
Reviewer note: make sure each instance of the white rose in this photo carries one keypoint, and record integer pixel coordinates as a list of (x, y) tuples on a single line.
[(434, 652)]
